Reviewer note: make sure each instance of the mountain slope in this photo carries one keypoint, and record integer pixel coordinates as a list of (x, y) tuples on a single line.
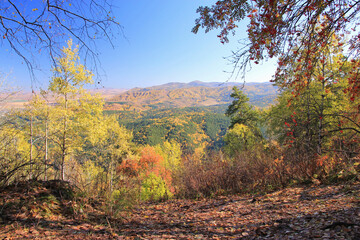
[(191, 94)]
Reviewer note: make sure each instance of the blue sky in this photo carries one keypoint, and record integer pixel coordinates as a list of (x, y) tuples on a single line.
[(158, 48)]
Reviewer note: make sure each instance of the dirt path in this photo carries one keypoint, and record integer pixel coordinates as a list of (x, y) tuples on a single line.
[(323, 212), (331, 212)]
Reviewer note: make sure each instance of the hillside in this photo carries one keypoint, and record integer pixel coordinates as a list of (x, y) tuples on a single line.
[(192, 127), (39, 210), (170, 95), (193, 94), (189, 113), (50, 209), (19, 98)]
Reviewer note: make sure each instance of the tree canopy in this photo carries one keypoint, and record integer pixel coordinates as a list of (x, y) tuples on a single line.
[(291, 30), (241, 111)]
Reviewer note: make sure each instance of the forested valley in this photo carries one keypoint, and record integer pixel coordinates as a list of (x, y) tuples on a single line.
[(275, 160), (118, 160)]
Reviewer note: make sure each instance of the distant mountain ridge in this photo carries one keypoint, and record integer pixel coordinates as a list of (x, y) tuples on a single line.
[(178, 85), (172, 95), (20, 98), (193, 94)]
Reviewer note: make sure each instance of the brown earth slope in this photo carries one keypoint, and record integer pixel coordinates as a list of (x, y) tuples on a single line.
[(194, 94), (317, 212)]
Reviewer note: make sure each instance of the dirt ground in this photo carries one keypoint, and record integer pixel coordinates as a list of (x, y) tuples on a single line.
[(316, 212)]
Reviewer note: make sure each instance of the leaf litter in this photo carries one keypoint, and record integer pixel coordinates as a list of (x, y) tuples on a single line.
[(315, 212)]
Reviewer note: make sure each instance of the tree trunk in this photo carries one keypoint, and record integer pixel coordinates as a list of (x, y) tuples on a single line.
[(31, 146), (111, 185), (64, 145), (46, 148), (321, 113), (308, 120)]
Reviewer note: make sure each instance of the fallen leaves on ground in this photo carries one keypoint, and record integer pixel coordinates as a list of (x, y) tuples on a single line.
[(326, 212), (319, 212)]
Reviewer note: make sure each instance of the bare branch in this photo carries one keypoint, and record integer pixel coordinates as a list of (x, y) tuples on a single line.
[(48, 26)]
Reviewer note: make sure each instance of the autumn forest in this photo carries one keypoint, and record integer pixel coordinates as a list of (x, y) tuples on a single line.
[(274, 160)]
